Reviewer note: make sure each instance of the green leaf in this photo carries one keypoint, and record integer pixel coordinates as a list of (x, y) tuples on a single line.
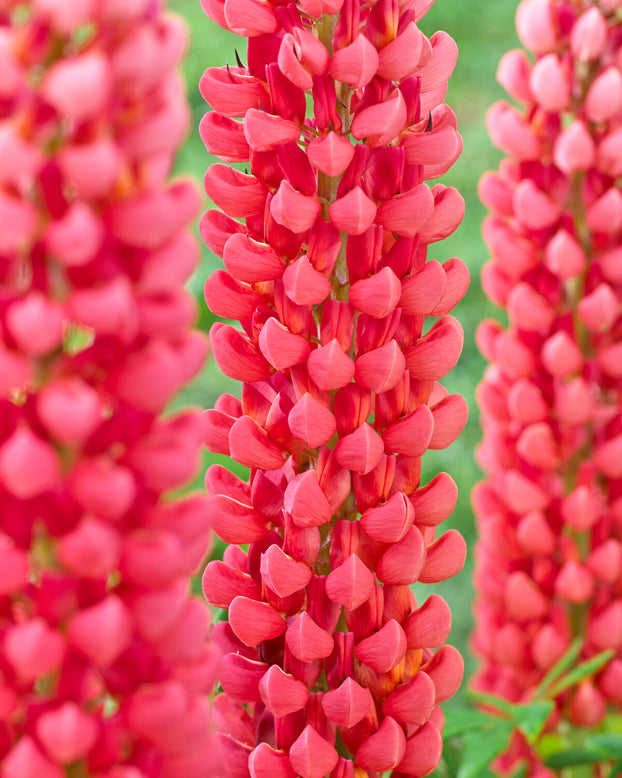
[(461, 720), (610, 745), (480, 748), (582, 671), (494, 701), (577, 756), (616, 770), (531, 719), (560, 667)]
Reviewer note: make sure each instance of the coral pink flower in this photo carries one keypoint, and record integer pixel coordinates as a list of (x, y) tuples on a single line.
[(549, 510), (103, 660), (330, 666)]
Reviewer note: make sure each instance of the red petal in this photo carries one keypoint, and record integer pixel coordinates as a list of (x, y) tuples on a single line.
[(283, 574), (446, 669), (250, 261), (355, 64), (361, 451), (306, 640), (265, 762), (311, 421), (234, 521), (423, 751), (236, 356), (281, 693), (377, 295), (413, 702), (353, 213), (435, 501), (402, 562), (388, 523), (253, 622), (237, 194), (429, 625), (348, 704), (422, 292), (311, 756), (406, 213), (445, 557), (228, 298), (329, 367), (251, 446), (449, 207), (265, 132), (351, 583), (331, 153), (240, 677), (305, 501), (303, 284), (410, 436), (383, 650), (221, 583), (437, 352), (450, 417), (383, 750), (381, 368), (280, 347)]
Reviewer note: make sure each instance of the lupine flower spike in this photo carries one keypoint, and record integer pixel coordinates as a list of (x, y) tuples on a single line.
[(103, 664), (550, 509), (329, 664)]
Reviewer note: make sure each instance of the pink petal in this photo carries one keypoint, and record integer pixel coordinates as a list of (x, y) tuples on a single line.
[(383, 750), (331, 154), (329, 367)]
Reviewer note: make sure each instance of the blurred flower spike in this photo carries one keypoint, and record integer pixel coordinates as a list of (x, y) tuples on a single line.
[(328, 665), (104, 668), (550, 509)]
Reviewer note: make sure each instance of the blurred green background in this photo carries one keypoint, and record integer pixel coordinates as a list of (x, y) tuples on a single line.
[(484, 30)]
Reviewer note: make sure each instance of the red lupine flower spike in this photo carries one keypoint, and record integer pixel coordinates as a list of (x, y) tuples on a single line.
[(328, 277)]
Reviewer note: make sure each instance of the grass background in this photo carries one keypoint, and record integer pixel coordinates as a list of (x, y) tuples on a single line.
[(484, 30)]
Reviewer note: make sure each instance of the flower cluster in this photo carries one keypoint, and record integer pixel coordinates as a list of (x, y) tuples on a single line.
[(550, 510), (103, 664), (327, 664)]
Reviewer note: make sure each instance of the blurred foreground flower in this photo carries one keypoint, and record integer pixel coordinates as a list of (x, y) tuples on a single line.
[(103, 665), (550, 511), (327, 665)]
